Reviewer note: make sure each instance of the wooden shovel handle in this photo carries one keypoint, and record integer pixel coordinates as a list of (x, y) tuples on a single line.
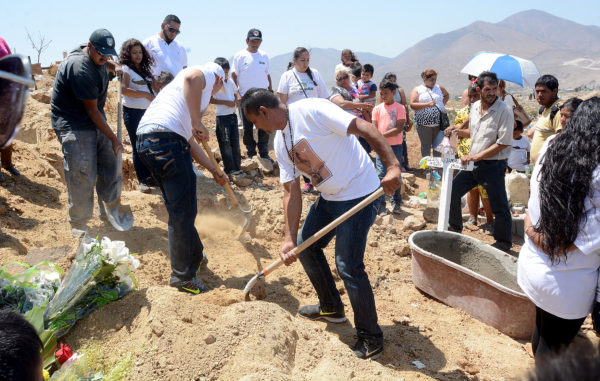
[(234, 200), (332, 225)]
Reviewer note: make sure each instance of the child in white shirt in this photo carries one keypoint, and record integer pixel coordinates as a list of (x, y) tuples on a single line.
[(519, 153)]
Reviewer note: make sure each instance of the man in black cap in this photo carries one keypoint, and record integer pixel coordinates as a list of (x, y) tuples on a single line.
[(250, 68), (77, 114)]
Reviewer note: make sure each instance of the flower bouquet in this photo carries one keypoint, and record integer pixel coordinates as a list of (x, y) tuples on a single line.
[(101, 273)]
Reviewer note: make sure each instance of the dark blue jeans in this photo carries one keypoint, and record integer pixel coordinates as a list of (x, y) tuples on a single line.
[(250, 143), (228, 138), (167, 156), (351, 240), (382, 170), (404, 161), (489, 174), (132, 117)]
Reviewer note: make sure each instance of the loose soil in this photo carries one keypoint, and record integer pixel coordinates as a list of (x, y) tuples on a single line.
[(176, 336)]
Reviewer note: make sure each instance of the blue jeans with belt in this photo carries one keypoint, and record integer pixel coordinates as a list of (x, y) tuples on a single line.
[(131, 118), (351, 240), (490, 175), (167, 156)]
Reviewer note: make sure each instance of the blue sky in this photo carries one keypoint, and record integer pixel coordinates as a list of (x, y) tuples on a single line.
[(209, 30)]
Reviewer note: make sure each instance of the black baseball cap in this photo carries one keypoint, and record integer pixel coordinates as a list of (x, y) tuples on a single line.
[(104, 42), (254, 34)]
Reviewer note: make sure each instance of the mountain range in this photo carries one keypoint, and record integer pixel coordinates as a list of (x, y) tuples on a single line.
[(561, 47)]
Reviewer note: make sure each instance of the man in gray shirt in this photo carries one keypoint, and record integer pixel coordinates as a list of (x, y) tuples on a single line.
[(491, 124), (77, 114)]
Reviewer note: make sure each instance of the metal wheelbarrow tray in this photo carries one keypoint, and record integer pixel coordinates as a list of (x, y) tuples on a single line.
[(465, 273)]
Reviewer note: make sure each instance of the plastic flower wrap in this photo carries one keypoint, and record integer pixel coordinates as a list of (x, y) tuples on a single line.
[(33, 287), (101, 273)]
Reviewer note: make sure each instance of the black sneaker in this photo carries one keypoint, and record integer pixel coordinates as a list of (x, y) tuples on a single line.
[(313, 312), (368, 348), (192, 286)]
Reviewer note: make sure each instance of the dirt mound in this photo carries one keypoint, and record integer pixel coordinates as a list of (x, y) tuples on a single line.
[(184, 337)]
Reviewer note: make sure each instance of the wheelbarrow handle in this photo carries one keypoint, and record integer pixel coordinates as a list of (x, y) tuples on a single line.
[(314, 238), (234, 199)]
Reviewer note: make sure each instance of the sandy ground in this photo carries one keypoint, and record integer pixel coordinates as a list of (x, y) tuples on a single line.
[(175, 336)]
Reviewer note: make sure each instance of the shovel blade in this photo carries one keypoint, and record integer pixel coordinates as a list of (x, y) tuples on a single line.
[(119, 216)]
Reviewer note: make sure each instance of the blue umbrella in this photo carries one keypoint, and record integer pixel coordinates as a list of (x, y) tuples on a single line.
[(509, 68)]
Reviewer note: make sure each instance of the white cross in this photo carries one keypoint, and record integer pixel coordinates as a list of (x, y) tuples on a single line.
[(449, 164)]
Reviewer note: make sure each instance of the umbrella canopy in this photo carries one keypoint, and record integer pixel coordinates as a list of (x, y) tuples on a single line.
[(509, 68)]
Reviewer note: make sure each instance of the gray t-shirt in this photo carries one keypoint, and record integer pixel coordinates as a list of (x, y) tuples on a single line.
[(77, 79)]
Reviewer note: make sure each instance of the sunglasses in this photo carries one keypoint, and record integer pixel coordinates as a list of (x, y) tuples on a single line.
[(342, 78), (430, 76), (15, 80), (173, 30)]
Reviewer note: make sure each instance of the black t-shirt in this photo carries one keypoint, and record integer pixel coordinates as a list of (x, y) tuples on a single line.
[(78, 78)]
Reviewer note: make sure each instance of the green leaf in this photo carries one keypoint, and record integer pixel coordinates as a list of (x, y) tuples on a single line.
[(36, 317)]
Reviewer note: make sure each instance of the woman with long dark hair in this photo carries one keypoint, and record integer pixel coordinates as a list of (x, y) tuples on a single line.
[(560, 260), (301, 82), (137, 95)]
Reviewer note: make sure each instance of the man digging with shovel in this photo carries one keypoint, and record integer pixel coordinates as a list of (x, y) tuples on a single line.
[(89, 145), (315, 139)]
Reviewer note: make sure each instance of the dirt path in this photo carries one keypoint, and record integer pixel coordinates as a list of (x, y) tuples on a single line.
[(174, 336)]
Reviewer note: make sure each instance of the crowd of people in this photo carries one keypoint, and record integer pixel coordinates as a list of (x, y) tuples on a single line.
[(319, 131)]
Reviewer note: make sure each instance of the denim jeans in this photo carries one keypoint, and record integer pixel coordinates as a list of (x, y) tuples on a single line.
[(490, 175), (89, 161), (167, 156), (248, 138), (382, 170), (351, 240), (228, 138), (132, 117)]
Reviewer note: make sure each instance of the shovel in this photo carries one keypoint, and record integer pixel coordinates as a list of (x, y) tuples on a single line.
[(119, 216), (234, 200), (298, 249)]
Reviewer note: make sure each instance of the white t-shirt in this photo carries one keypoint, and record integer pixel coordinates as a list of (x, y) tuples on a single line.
[(288, 84), (518, 153), (227, 93), (336, 162), (565, 290), (167, 57), (251, 70), (508, 100), (169, 109), (136, 82)]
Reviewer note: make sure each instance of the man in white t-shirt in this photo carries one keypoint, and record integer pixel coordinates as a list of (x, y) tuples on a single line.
[(169, 55), (250, 68), (315, 138)]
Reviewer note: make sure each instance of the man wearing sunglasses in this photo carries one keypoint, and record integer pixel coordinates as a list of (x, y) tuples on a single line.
[(89, 145), (169, 55)]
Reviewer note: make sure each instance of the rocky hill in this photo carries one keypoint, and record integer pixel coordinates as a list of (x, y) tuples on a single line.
[(569, 50)]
